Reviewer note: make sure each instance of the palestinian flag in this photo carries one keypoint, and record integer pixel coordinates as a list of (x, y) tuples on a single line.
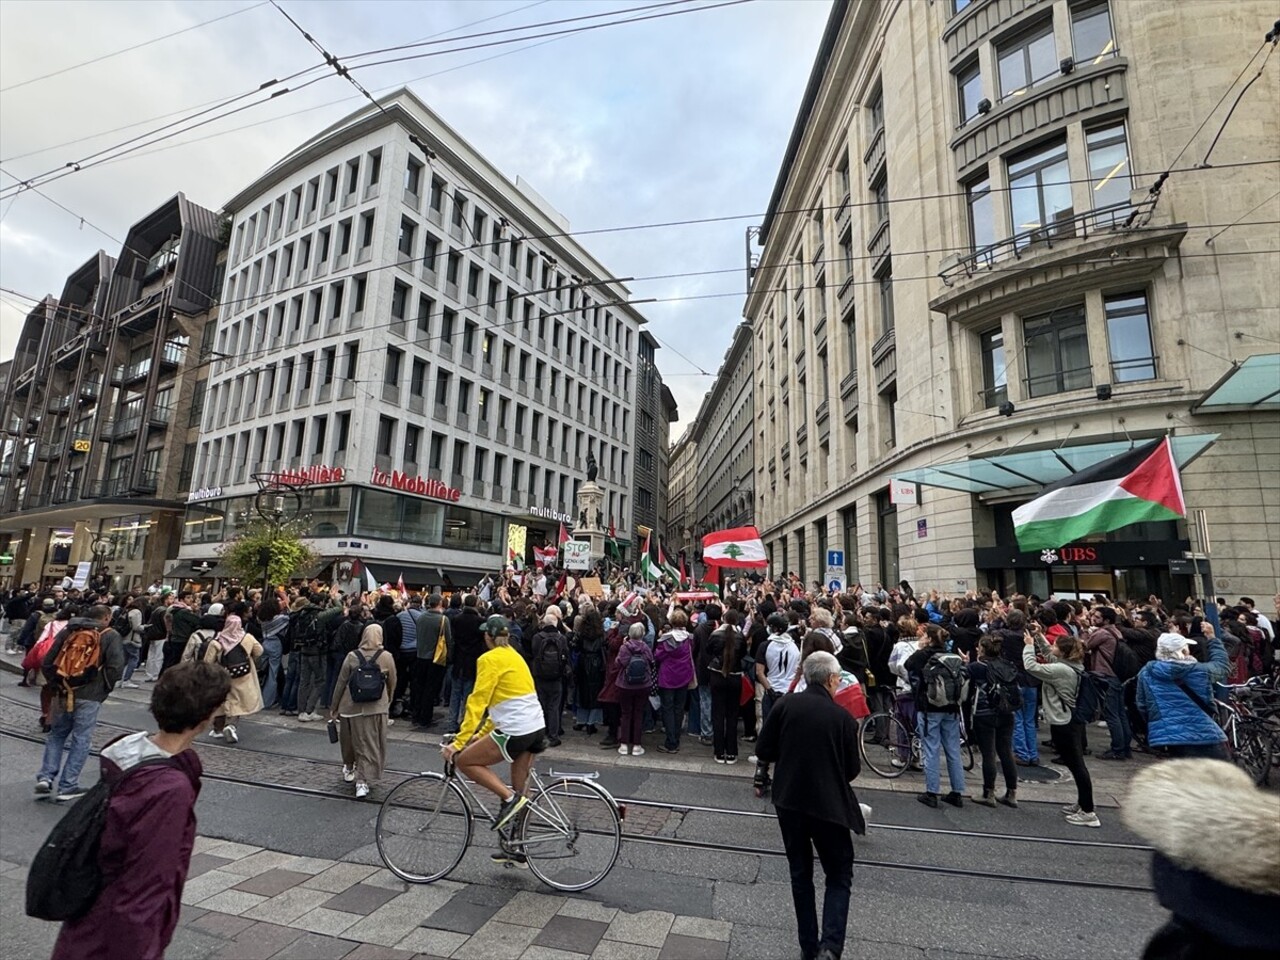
[(1138, 486), (514, 559), (665, 567), (611, 544), (563, 538), (737, 547), (648, 565)]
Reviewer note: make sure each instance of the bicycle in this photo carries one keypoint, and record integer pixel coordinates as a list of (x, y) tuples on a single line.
[(570, 832), (891, 748), (1248, 718)]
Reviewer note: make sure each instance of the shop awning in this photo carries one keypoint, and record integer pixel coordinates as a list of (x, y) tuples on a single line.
[(418, 575), (1004, 472), (1253, 383)]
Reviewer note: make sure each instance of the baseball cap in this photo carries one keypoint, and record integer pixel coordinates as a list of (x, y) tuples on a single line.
[(215, 609), (1171, 644), (48, 603), (496, 625)]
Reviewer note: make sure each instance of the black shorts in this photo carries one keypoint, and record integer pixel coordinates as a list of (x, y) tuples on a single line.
[(511, 747)]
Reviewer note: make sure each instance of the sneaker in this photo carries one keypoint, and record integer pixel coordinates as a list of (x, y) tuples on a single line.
[(129, 685), (721, 760), (508, 858), (1079, 819), (1071, 808), (623, 750), (348, 773), (390, 722), (731, 760), (215, 735), (637, 751), (554, 742), (706, 741), (753, 759), (608, 743), (748, 739), (362, 791), (663, 748), (306, 717), (508, 810), (44, 787), (928, 799), (229, 734), (75, 793), (1113, 756), (954, 798)]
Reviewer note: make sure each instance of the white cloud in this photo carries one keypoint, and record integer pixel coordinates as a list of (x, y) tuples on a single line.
[(663, 120)]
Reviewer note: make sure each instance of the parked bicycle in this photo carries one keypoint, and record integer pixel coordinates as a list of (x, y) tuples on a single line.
[(1250, 717), (570, 832), (889, 748)]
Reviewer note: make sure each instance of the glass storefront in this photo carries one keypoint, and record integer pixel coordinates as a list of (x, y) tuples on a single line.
[(377, 514)]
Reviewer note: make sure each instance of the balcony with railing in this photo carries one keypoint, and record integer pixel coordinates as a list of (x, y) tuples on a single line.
[(884, 359), (873, 158), (60, 404)]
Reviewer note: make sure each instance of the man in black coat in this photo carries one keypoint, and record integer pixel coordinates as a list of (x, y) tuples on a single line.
[(813, 744)]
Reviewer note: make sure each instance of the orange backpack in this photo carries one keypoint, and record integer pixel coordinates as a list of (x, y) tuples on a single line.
[(78, 660)]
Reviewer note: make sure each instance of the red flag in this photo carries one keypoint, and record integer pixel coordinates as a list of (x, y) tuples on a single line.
[(683, 576), (400, 588), (564, 535)]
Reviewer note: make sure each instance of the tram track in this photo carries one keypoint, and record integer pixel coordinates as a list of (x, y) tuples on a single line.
[(686, 843)]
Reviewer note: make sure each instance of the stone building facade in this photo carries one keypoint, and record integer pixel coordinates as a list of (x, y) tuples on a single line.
[(974, 280), (723, 435)]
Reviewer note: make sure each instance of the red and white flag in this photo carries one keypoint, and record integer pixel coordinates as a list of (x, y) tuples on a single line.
[(400, 587), (737, 547), (564, 536)]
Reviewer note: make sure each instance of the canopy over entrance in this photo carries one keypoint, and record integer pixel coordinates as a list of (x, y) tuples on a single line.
[(1253, 383)]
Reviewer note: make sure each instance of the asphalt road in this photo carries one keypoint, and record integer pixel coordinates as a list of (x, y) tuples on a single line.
[(895, 913)]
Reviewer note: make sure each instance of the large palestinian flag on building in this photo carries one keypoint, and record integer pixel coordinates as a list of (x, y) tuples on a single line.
[(1138, 486)]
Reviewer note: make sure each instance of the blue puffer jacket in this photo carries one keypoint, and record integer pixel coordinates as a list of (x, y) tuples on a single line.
[(1172, 716)]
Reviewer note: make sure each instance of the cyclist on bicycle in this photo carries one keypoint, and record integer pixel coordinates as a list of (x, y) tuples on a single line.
[(514, 729)]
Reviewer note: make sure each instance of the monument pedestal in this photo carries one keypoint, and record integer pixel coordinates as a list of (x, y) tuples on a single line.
[(589, 518)]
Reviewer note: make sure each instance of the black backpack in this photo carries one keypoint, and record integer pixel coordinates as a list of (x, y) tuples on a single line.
[(304, 631), (1125, 664), (945, 680), (236, 661), (550, 662), (1003, 696), (367, 682), (65, 878), (120, 624), (637, 674)]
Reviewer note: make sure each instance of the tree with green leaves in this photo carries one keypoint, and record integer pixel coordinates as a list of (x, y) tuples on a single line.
[(286, 552)]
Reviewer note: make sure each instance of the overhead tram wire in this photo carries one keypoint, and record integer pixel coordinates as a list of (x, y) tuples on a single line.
[(196, 106), (130, 49)]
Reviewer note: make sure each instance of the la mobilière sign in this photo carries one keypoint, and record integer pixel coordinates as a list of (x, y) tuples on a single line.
[(422, 486)]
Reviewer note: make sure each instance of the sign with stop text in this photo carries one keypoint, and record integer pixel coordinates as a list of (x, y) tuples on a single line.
[(577, 554)]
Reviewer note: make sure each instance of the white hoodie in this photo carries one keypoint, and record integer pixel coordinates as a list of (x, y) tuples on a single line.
[(898, 659), (131, 750)]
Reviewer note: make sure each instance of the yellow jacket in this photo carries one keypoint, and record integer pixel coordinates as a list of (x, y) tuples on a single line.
[(504, 690)]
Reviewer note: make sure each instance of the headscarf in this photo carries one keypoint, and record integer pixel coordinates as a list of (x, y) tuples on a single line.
[(232, 633)]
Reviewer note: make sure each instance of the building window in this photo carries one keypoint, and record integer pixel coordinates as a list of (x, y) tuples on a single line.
[(404, 243), (884, 281), (412, 440), (399, 300), (391, 369), (887, 532), (1129, 338), (344, 432), (375, 167), (386, 436), (418, 379), (429, 252), (959, 5), (1027, 60), (447, 318), (982, 214), (876, 111), (435, 199), (969, 87), (1057, 351), (880, 196), (846, 255), (442, 386), (851, 343), (366, 230), (1091, 38), (995, 390), (1108, 165), (413, 176), (1040, 191)]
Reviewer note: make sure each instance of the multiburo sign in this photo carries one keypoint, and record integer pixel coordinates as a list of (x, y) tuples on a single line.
[(308, 476), (204, 493), (422, 486)]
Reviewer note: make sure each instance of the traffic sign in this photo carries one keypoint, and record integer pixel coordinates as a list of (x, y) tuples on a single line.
[(835, 585), (835, 558)]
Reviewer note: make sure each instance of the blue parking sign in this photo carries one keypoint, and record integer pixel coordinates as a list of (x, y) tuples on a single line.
[(835, 558)]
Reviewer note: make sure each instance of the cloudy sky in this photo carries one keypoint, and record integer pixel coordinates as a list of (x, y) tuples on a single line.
[(670, 119)]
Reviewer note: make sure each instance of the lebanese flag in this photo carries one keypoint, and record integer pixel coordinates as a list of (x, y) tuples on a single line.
[(544, 555), (564, 536), (738, 547), (1139, 486), (400, 588)]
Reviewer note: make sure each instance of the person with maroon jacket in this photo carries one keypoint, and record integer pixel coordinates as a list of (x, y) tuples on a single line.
[(151, 825)]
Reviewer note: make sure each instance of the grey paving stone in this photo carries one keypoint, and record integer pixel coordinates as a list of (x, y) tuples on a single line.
[(530, 909), (387, 925), (188, 944), (588, 910), (436, 943), (617, 950), (536, 952), (289, 906), (308, 865), (702, 927), (260, 942), (315, 946), (478, 893), (360, 898), (255, 864), (207, 884), (373, 951), (461, 916), (232, 901), (496, 941), (204, 862), (770, 943), (339, 877), (680, 947), (648, 928), (273, 882), (572, 934), (221, 924), (328, 922)]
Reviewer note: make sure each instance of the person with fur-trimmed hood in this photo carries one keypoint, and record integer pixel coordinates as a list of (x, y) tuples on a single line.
[(1216, 865)]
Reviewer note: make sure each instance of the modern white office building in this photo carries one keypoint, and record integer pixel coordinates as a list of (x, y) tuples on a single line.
[(423, 344)]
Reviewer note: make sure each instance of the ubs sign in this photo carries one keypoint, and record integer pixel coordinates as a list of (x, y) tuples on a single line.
[(1070, 554)]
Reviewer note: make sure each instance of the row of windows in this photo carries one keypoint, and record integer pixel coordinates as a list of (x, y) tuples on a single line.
[(1056, 349), (1030, 57)]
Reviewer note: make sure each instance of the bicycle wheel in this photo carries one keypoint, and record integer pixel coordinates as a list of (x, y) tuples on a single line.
[(571, 833), (890, 756), (1253, 751), (423, 828), (966, 753)]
